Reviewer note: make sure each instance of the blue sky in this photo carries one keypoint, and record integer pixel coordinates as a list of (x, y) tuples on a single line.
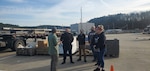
[(64, 12)]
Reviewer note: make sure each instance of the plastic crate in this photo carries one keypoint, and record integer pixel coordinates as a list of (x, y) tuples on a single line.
[(42, 51), (25, 51), (112, 47)]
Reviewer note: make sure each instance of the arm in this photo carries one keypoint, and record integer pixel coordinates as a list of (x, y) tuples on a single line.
[(84, 38), (48, 40), (89, 40), (55, 40), (93, 41), (61, 38), (102, 40), (72, 38), (78, 38)]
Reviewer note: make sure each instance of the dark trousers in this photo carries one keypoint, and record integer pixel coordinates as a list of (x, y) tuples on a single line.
[(100, 57), (94, 53), (82, 49), (67, 48), (54, 61)]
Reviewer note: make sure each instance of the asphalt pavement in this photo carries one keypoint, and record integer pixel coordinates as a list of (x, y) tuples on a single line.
[(134, 56)]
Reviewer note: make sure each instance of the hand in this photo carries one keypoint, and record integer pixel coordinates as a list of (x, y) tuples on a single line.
[(94, 46), (59, 42)]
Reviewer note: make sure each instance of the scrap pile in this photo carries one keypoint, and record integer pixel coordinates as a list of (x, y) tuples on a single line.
[(32, 49)]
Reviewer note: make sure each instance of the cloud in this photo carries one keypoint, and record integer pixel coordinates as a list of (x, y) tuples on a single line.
[(16, 1), (65, 12)]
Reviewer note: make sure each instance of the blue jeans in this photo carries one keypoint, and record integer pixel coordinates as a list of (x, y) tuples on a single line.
[(100, 57), (94, 53)]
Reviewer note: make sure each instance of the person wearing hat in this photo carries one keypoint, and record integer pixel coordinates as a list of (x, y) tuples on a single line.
[(53, 49)]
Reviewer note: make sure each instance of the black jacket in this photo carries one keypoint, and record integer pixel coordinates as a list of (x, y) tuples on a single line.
[(81, 39), (99, 40), (66, 38)]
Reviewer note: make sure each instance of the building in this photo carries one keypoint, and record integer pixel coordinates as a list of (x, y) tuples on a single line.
[(75, 28)]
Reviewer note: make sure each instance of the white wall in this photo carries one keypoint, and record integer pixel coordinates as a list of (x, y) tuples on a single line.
[(85, 26)]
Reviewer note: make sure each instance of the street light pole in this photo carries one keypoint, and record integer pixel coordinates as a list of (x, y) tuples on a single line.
[(81, 18)]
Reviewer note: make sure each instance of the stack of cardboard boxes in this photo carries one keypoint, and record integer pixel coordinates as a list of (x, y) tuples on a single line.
[(42, 48)]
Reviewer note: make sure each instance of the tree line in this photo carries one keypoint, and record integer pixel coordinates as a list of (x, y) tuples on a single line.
[(7, 25), (132, 21)]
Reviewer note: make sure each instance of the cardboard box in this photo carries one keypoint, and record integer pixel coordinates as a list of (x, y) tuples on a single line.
[(43, 44)]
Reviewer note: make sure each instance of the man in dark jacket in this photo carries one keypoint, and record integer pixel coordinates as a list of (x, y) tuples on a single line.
[(81, 39), (67, 39), (90, 36), (99, 47)]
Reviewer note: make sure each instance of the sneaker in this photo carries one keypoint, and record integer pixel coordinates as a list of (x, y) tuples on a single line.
[(96, 64), (97, 69), (63, 62), (79, 60), (72, 62), (93, 60), (102, 70)]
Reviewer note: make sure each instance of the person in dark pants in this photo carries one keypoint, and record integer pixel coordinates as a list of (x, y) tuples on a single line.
[(90, 36), (99, 47), (53, 49), (81, 39), (67, 39)]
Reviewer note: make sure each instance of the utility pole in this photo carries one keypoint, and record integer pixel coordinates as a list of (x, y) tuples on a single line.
[(81, 18)]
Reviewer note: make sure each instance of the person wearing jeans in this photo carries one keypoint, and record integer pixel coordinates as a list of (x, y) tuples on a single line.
[(100, 57), (90, 37), (99, 47)]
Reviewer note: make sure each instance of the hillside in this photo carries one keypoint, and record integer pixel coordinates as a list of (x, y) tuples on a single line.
[(7, 25), (40, 26), (124, 21)]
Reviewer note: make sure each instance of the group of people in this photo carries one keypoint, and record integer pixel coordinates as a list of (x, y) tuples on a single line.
[(96, 39)]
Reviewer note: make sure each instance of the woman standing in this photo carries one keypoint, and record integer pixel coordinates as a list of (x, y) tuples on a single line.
[(99, 47)]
